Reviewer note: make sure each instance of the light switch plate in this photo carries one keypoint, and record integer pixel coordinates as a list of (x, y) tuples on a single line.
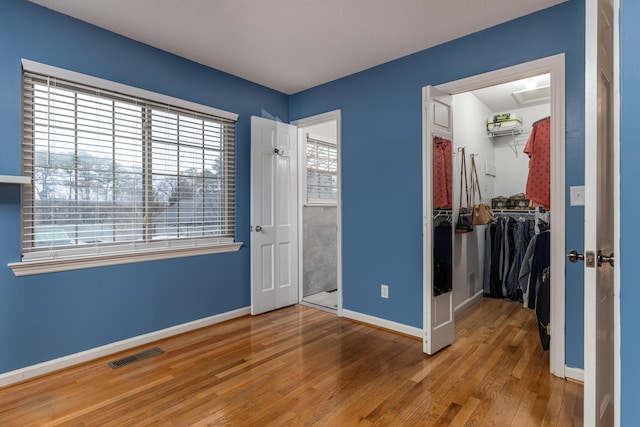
[(577, 195)]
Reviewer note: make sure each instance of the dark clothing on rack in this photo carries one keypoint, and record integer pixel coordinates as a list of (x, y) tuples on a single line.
[(442, 250), (543, 309), (487, 261), (524, 231), (495, 278), (506, 244), (541, 260), (510, 247)]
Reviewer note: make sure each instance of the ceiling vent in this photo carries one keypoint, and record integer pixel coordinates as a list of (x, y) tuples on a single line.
[(529, 96)]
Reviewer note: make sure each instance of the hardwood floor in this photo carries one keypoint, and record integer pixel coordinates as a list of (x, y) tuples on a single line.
[(300, 366)]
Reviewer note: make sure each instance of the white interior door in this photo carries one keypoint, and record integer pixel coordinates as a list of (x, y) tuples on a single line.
[(439, 328), (274, 225), (599, 217)]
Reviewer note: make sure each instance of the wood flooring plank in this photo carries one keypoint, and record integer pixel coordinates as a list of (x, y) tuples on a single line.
[(304, 367)]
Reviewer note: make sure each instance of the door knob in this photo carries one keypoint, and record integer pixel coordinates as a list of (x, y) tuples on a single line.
[(574, 256), (603, 258), (258, 228)]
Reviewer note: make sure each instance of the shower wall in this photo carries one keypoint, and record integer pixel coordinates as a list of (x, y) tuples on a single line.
[(319, 249)]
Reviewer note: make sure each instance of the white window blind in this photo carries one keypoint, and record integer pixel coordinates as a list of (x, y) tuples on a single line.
[(121, 173), (322, 171)]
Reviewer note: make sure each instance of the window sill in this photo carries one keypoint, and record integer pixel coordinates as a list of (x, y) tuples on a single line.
[(323, 204), (15, 179), (28, 268)]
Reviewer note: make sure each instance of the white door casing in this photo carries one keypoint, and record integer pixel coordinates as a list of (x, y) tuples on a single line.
[(555, 66), (274, 226), (438, 322), (335, 117), (599, 298)]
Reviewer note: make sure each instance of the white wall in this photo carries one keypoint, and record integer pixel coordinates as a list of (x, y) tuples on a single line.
[(512, 165), (470, 130), (512, 168)]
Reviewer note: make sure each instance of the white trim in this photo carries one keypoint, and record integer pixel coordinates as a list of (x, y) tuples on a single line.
[(318, 307), (575, 374), (50, 366), (15, 179), (384, 323), (85, 79), (320, 202), (467, 304), (335, 115), (27, 268), (321, 138), (554, 65), (617, 390)]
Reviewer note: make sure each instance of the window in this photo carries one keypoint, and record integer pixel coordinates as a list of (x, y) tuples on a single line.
[(115, 173), (322, 171)]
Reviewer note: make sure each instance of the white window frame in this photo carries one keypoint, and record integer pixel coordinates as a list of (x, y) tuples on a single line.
[(307, 200), (96, 256)]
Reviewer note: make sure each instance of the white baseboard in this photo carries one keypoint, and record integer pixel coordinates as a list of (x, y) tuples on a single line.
[(383, 323), (468, 303), (575, 374), (50, 366)]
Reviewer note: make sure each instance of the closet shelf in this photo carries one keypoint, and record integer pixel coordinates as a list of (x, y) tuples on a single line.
[(15, 179), (513, 133)]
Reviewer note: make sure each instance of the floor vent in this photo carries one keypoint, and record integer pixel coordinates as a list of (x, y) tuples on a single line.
[(135, 358)]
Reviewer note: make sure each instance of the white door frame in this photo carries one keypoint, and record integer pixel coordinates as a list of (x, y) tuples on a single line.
[(305, 122), (554, 65)]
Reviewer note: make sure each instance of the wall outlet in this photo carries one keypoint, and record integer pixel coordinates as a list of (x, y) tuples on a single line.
[(384, 291)]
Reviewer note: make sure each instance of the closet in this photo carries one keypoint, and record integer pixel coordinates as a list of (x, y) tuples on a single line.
[(488, 261)]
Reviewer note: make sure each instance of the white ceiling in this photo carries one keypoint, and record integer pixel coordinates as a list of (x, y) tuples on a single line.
[(500, 99), (292, 45)]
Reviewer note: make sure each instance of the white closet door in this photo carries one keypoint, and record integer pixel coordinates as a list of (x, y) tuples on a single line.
[(439, 328)]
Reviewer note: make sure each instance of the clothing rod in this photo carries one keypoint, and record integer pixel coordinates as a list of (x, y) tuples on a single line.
[(514, 211)]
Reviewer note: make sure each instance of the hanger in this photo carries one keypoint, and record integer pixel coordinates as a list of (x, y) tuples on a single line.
[(538, 121)]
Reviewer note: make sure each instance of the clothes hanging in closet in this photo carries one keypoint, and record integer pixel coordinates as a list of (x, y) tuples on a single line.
[(536, 259), (442, 164), (506, 241), (442, 265), (543, 309), (538, 148)]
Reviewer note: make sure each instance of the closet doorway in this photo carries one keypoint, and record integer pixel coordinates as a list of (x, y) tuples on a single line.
[(494, 125), (319, 228), (529, 92)]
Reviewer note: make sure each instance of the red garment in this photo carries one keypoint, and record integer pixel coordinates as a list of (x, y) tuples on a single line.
[(442, 164), (538, 149)]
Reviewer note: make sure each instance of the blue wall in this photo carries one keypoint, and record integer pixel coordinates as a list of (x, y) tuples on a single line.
[(629, 206), (47, 316), (381, 153)]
